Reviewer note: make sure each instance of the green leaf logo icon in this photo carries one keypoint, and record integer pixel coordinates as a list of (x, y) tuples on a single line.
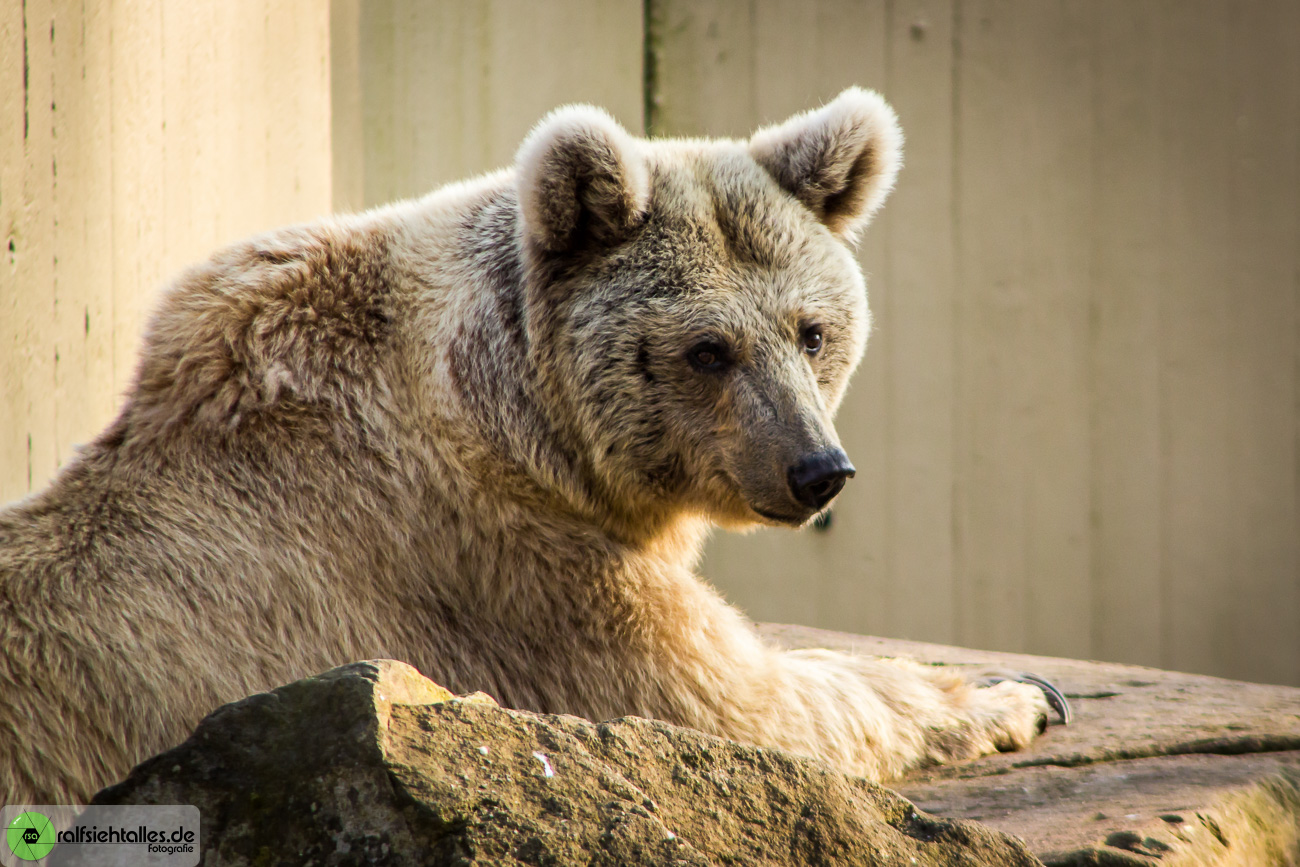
[(30, 836)]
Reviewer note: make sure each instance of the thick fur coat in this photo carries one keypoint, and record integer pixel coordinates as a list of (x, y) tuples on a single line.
[(484, 432)]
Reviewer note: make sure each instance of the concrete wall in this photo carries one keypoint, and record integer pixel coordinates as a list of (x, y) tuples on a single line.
[(135, 137), (1078, 421), (432, 92), (1076, 425)]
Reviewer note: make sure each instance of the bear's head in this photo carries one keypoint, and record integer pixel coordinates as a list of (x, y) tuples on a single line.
[(694, 308)]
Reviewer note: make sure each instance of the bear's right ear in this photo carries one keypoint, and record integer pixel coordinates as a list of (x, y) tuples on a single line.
[(840, 160), (580, 174)]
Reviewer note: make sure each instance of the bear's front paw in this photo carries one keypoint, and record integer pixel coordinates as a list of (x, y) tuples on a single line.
[(1006, 714), (1054, 696)]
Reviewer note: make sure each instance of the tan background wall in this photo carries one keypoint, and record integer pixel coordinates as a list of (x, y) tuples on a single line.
[(135, 137), (433, 92), (1076, 427)]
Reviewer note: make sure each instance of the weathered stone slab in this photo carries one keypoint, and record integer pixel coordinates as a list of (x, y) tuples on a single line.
[(372, 764), (1158, 767)]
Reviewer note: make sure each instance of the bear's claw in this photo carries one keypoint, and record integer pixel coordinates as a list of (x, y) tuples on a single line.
[(1055, 697)]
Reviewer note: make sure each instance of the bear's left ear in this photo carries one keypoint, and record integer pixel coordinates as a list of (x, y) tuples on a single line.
[(580, 174), (839, 160)]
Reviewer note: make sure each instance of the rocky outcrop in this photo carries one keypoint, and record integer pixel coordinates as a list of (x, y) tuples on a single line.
[(1158, 767), (372, 764)]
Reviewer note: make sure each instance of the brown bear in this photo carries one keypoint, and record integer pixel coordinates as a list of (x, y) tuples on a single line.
[(484, 432)]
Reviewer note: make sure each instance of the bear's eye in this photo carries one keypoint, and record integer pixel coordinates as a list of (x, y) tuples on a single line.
[(812, 339), (708, 357)]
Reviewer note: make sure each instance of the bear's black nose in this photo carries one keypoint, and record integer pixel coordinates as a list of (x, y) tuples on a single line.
[(816, 479)]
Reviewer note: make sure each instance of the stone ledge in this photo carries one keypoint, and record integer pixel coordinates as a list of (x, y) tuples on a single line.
[(1159, 767), (371, 764)]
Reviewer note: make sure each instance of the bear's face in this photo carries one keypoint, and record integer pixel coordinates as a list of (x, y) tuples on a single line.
[(696, 308), (711, 348)]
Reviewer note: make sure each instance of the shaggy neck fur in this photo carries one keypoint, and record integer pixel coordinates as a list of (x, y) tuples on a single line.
[(502, 367)]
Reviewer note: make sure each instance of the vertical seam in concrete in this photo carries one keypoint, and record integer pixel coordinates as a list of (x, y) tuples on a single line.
[(751, 74), (954, 398), (889, 557), (1295, 346), (649, 69), (1236, 326), (26, 81), (111, 271), (54, 245), (162, 137), (1162, 370), (1093, 347)]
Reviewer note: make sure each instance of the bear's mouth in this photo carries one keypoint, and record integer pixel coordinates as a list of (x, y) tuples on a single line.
[(772, 515), (790, 520)]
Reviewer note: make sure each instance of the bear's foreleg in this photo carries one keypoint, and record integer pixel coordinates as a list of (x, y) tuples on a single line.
[(882, 717), (870, 716)]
